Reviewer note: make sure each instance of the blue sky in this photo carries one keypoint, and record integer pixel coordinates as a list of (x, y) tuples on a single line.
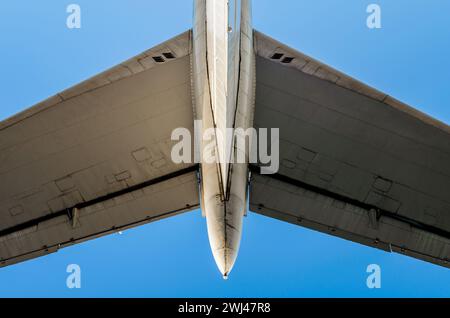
[(407, 58)]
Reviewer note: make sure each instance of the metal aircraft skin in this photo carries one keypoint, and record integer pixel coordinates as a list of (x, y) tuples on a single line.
[(97, 158)]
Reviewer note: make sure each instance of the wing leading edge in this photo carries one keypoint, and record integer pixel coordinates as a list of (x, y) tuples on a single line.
[(96, 159), (355, 163)]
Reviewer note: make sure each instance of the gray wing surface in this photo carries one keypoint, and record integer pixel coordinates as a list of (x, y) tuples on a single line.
[(96, 159), (355, 163)]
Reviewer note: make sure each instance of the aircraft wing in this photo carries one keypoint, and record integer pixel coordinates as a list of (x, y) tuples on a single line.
[(354, 162), (96, 159)]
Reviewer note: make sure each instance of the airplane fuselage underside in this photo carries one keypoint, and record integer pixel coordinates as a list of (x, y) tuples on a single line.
[(223, 81)]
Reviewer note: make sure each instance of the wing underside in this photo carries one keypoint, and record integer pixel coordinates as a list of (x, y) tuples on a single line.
[(96, 159), (355, 163)]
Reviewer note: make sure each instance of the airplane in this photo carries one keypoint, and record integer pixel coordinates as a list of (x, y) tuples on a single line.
[(97, 158)]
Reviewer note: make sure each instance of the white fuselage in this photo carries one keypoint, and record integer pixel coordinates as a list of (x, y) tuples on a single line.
[(223, 73)]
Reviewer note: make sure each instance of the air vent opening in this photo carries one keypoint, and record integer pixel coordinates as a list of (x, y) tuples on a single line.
[(169, 55), (287, 60), (158, 59), (277, 56)]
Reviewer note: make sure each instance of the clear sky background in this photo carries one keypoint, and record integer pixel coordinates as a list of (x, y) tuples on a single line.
[(407, 58)]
